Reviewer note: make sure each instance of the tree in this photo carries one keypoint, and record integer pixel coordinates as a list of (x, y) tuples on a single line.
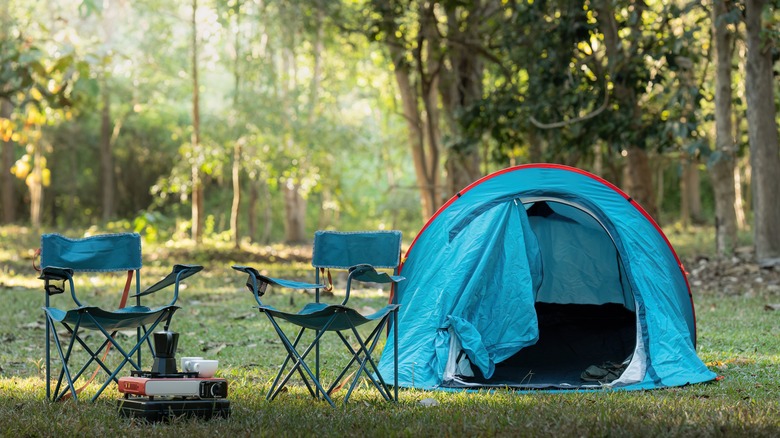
[(762, 130), (196, 157), (39, 71), (723, 161), (411, 41)]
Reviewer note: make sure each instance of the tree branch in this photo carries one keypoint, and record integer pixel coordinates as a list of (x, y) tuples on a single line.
[(563, 123)]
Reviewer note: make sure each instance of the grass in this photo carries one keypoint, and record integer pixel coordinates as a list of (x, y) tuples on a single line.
[(738, 338)]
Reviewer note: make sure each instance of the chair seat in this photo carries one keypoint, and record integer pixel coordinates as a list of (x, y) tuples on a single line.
[(315, 316), (126, 318)]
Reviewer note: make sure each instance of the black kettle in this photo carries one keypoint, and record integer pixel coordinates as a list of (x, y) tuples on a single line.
[(165, 344)]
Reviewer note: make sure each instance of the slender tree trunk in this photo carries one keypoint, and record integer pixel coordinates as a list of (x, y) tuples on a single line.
[(685, 200), (694, 190), (739, 203), (35, 184), (7, 196), (295, 212), (762, 132), (236, 204), (197, 184), (429, 193), (638, 179), (267, 216), (722, 170), (251, 210), (106, 154), (236, 171), (7, 179), (461, 87), (419, 109)]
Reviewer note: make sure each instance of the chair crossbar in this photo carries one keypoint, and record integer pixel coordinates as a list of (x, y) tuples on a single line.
[(292, 353), (360, 253), (93, 354), (61, 258)]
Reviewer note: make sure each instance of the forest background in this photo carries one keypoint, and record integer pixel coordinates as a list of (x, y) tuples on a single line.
[(242, 121)]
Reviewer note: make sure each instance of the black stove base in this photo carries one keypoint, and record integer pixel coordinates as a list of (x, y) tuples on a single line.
[(162, 409)]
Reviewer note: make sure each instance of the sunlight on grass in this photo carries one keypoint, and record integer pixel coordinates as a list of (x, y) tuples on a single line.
[(738, 338)]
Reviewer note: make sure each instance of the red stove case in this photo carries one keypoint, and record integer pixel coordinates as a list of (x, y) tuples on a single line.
[(174, 387), (158, 397)]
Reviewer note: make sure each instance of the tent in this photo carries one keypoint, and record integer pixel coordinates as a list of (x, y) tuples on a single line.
[(543, 276)]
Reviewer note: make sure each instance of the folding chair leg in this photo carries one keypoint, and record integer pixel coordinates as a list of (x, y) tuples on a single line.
[(48, 359), (271, 393), (299, 361), (373, 338), (395, 354), (361, 365), (126, 355), (363, 356), (65, 370)]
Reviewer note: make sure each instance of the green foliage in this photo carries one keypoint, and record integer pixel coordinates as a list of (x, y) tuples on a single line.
[(344, 144)]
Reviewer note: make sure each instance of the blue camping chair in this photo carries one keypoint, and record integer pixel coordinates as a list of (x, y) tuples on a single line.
[(359, 253), (60, 258)]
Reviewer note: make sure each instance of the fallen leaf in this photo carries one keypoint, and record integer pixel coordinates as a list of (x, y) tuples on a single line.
[(427, 402), (213, 348), (772, 307), (35, 325)]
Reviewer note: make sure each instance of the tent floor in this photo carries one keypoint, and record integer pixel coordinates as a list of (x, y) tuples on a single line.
[(572, 337)]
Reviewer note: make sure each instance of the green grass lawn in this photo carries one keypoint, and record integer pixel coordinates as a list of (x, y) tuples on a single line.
[(738, 339)]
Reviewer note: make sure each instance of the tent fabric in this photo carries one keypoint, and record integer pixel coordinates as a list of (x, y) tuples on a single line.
[(478, 266)]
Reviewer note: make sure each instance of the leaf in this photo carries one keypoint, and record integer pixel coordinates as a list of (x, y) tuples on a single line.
[(429, 402), (771, 307), (35, 325)]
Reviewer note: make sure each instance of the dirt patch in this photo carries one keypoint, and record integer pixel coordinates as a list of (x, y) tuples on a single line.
[(735, 275)]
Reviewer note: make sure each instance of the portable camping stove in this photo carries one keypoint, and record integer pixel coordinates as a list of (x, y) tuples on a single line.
[(164, 393), (156, 397)]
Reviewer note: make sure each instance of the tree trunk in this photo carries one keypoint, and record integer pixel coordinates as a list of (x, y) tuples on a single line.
[(639, 180), (685, 200), (295, 212), (234, 207), (739, 203), (106, 154), (694, 191), (236, 168), (268, 216), (723, 168), (197, 184), (423, 155), (461, 87), (763, 136), (6, 178), (637, 174), (251, 212), (35, 184)]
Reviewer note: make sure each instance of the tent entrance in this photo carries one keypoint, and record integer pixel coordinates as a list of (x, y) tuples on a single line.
[(584, 305), (572, 337)]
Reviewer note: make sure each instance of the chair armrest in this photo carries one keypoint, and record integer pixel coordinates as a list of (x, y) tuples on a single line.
[(254, 273), (178, 273), (367, 273), (53, 273)]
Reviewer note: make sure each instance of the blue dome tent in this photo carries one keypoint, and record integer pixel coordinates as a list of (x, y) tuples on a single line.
[(544, 276)]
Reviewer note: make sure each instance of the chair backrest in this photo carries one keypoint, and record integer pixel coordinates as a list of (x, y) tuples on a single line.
[(102, 253), (344, 249)]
